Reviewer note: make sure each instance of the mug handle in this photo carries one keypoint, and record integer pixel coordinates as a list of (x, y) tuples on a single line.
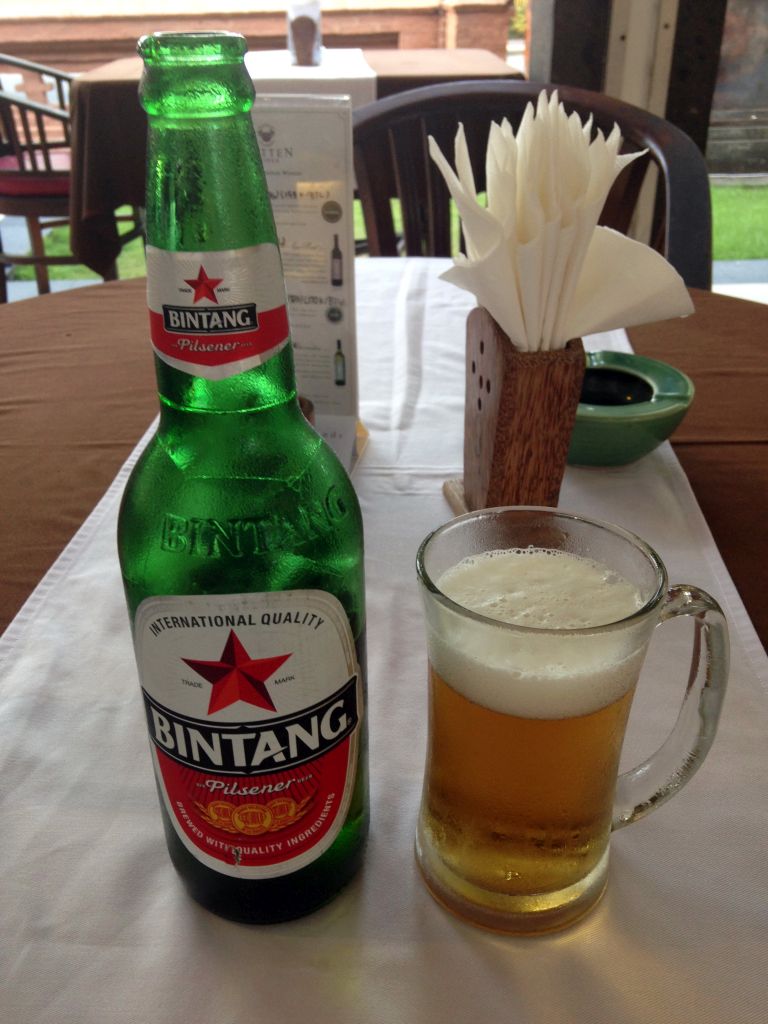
[(677, 760)]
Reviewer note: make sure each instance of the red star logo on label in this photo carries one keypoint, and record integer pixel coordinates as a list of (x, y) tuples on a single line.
[(204, 286), (238, 676)]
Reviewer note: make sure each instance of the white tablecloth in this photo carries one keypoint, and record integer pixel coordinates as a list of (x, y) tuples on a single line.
[(95, 924)]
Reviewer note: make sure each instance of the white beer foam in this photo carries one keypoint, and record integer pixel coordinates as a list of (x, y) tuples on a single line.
[(538, 675)]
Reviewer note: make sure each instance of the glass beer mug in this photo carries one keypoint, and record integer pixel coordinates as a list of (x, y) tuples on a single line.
[(537, 626)]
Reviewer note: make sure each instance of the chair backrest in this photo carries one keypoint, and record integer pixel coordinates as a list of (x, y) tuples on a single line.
[(392, 161), (34, 140), (40, 82)]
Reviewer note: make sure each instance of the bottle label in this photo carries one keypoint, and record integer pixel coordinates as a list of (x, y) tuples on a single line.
[(253, 704), (216, 314)]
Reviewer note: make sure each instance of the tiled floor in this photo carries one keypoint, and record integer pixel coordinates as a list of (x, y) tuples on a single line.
[(744, 279), (755, 291)]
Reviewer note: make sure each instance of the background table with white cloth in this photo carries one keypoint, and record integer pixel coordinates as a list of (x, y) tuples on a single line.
[(109, 127), (96, 926)]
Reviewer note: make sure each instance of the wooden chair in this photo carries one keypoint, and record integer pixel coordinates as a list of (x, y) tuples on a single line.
[(35, 168), (392, 161)]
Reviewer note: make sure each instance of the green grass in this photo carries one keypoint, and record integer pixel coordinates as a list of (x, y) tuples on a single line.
[(739, 218), (130, 262), (740, 222)]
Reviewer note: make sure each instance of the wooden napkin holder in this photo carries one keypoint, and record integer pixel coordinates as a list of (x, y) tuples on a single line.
[(518, 419)]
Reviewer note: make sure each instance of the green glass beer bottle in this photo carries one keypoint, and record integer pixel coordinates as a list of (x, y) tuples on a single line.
[(240, 535)]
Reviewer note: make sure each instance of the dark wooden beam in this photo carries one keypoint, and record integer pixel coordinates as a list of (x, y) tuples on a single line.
[(580, 42), (695, 61)]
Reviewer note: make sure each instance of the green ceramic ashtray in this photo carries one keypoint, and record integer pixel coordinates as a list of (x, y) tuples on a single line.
[(628, 406)]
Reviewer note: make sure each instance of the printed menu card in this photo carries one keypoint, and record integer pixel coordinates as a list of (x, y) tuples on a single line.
[(306, 148)]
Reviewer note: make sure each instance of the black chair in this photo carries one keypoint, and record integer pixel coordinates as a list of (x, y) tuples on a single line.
[(392, 162), (35, 169)]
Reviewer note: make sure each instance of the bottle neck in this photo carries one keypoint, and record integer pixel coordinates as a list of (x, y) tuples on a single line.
[(206, 193)]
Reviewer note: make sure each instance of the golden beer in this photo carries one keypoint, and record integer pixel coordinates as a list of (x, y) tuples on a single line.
[(525, 807), (525, 733)]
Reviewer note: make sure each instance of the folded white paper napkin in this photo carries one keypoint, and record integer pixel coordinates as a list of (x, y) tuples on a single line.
[(535, 258)]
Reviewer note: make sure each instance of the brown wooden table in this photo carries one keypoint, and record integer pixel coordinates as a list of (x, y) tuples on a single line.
[(109, 133), (77, 392), (723, 441)]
